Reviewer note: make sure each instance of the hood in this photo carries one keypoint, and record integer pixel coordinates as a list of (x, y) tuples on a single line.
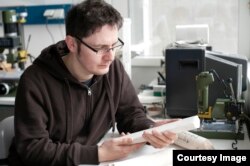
[(50, 60)]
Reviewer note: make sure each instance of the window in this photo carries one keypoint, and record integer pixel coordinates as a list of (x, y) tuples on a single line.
[(154, 21)]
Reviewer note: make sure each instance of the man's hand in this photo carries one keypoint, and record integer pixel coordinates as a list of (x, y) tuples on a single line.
[(117, 148), (160, 139)]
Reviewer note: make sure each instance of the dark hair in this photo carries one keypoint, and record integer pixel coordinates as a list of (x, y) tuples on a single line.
[(86, 17)]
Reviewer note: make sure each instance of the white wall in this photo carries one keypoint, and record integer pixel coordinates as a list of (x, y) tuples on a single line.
[(244, 28), (40, 37)]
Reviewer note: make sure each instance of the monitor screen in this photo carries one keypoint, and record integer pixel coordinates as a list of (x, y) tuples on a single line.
[(236, 58), (224, 72)]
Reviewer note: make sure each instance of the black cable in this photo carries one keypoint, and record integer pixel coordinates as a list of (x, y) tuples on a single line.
[(243, 119), (234, 144), (222, 81), (162, 77), (237, 135)]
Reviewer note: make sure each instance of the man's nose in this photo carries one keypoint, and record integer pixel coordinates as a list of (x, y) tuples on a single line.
[(109, 54)]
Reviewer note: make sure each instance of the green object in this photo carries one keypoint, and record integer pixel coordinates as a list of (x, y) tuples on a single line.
[(12, 57), (219, 109), (202, 81), (159, 94), (9, 16)]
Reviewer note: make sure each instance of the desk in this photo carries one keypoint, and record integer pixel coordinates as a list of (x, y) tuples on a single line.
[(7, 101), (6, 107)]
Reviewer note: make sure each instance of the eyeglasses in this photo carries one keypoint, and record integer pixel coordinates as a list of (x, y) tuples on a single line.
[(103, 50)]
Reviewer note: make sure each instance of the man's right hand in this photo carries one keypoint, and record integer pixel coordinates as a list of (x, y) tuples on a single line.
[(117, 148)]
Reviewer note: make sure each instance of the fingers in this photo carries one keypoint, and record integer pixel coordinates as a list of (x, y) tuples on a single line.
[(160, 139), (122, 134), (124, 140), (135, 146), (116, 148), (126, 147), (127, 143)]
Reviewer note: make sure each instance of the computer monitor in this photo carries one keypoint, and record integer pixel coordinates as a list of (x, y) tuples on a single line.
[(182, 65), (224, 72), (236, 58)]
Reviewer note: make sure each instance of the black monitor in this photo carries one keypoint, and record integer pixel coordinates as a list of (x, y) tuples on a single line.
[(236, 58), (225, 71), (182, 65)]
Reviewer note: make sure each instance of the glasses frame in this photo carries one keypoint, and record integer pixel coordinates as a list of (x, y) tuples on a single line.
[(95, 50)]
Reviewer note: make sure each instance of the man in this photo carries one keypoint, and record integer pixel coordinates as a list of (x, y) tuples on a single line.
[(74, 92)]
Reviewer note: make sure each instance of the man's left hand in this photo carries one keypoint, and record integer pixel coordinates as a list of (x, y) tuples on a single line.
[(160, 139)]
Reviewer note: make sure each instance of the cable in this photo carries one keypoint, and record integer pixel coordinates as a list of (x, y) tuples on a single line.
[(222, 81), (52, 37), (162, 77), (242, 119), (237, 135), (60, 26)]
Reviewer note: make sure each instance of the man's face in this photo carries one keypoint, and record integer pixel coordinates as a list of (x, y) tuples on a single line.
[(98, 63)]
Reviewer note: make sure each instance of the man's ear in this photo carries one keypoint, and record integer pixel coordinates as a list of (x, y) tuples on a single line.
[(71, 43)]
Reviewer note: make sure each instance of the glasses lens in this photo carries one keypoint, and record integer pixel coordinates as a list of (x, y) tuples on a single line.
[(117, 47), (113, 49)]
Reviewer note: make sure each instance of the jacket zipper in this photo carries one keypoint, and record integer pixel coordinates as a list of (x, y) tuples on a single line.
[(89, 92), (89, 101), (88, 109), (88, 105)]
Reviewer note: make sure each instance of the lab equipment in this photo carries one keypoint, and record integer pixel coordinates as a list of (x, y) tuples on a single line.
[(221, 106), (182, 65), (13, 41), (13, 54), (223, 119)]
